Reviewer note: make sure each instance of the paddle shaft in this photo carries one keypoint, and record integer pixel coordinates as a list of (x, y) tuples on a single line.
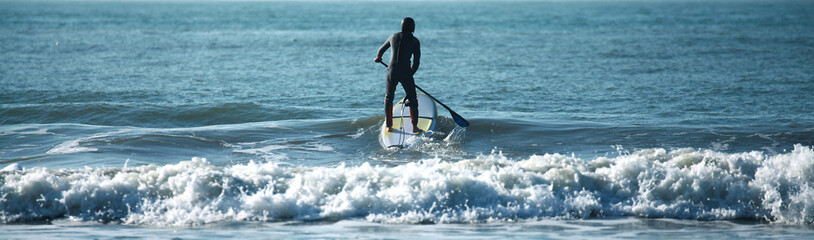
[(436, 100)]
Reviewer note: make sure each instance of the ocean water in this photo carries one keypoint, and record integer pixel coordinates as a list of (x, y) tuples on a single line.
[(590, 119)]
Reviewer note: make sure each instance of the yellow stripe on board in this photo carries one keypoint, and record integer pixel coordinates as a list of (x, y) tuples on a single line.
[(398, 122)]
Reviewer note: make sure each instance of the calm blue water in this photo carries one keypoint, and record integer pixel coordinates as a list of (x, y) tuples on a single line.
[(624, 119)]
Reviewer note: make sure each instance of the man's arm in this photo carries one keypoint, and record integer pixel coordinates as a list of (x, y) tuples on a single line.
[(383, 48), (416, 56)]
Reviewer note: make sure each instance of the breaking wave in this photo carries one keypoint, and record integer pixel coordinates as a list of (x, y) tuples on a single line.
[(683, 184)]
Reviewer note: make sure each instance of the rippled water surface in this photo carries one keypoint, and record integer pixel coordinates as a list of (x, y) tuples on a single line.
[(625, 119)]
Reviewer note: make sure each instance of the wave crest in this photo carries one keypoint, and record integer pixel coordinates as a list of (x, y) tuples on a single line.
[(683, 183)]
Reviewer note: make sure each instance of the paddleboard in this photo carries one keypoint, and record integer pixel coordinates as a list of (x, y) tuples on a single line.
[(402, 135)]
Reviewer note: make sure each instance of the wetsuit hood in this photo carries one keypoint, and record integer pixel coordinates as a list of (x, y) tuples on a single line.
[(408, 25)]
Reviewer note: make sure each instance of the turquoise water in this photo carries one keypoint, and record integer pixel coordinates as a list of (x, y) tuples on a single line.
[(588, 119)]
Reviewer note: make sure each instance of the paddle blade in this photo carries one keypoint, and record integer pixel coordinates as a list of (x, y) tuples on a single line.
[(459, 120)]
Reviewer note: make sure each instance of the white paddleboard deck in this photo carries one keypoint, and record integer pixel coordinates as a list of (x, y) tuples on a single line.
[(402, 135)]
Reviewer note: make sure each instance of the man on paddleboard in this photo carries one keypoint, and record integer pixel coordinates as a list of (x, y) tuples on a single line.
[(405, 46)]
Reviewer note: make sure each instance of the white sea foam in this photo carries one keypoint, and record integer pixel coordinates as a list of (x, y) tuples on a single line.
[(272, 152), (25, 131), (359, 133), (70, 147), (262, 150), (74, 146), (12, 167), (681, 184)]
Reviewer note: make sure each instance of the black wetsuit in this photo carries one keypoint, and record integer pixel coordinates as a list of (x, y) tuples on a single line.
[(405, 46)]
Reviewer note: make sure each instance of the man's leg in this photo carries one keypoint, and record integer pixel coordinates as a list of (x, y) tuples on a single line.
[(409, 88), (388, 103)]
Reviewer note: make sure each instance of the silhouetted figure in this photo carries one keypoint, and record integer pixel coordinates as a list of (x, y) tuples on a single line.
[(405, 46)]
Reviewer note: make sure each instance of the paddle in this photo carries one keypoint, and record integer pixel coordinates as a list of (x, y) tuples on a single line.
[(458, 119)]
